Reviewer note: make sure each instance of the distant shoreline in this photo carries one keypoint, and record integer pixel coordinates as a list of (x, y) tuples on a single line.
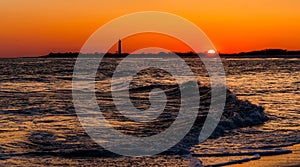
[(259, 56), (267, 53)]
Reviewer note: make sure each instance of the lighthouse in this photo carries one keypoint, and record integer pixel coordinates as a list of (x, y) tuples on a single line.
[(119, 48)]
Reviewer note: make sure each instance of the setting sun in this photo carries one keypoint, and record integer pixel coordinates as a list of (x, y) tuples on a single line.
[(211, 51)]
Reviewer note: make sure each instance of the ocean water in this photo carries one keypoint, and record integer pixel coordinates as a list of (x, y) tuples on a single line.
[(38, 125)]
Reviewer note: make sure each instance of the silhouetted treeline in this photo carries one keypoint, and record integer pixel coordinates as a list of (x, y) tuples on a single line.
[(61, 55), (75, 55), (267, 53)]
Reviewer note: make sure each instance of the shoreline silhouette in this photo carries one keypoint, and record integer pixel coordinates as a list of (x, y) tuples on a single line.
[(266, 53)]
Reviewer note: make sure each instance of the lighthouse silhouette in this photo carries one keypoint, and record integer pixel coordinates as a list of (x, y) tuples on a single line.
[(119, 48)]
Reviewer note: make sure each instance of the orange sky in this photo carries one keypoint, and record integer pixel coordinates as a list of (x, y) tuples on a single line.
[(34, 27), (146, 40)]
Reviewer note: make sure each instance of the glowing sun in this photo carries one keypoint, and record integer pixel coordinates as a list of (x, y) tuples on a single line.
[(211, 51)]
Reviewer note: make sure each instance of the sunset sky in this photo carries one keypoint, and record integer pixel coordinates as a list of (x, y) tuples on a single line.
[(34, 27)]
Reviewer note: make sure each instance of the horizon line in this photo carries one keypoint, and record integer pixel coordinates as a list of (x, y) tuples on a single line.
[(125, 53)]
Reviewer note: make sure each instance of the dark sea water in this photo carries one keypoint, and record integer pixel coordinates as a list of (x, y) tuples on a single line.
[(38, 118)]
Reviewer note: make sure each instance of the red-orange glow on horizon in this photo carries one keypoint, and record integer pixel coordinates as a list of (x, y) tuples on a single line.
[(33, 28), (145, 40)]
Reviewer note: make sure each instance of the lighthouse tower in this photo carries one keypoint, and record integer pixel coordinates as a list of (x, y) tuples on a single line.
[(119, 48)]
